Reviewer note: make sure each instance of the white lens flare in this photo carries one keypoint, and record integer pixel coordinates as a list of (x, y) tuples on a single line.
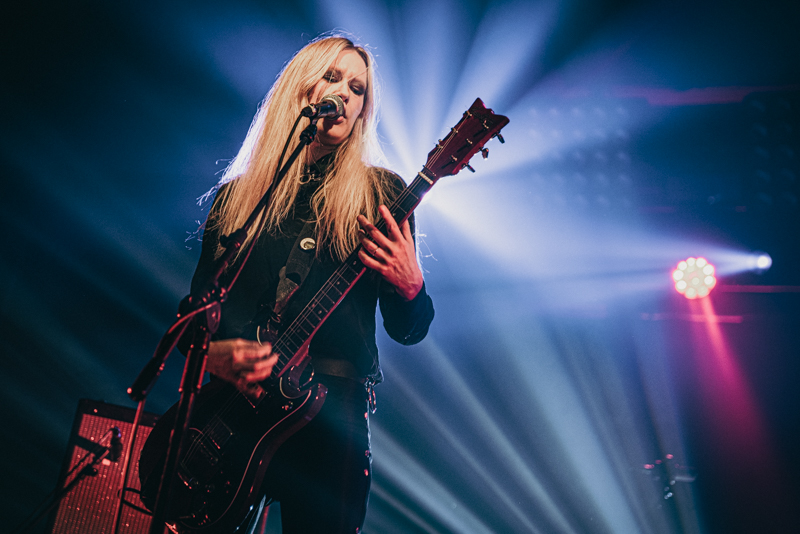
[(762, 261)]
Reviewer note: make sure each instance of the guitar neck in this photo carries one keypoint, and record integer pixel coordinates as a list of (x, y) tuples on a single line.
[(410, 198), (291, 344), (451, 154)]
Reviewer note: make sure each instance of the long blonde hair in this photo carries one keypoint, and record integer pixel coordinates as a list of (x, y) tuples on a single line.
[(352, 186)]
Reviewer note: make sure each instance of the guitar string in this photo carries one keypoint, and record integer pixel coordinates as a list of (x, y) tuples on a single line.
[(216, 421), (338, 275), (323, 293)]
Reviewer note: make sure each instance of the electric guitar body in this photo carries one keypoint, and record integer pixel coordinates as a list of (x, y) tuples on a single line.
[(231, 440)]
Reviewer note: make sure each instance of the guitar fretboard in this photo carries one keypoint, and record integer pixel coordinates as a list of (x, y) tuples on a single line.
[(342, 280)]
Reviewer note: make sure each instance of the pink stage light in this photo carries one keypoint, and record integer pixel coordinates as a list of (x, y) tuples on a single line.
[(694, 278)]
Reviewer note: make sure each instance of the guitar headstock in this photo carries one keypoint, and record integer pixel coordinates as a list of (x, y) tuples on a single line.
[(476, 127)]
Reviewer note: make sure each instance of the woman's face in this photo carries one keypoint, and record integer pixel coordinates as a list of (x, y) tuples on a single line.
[(346, 78)]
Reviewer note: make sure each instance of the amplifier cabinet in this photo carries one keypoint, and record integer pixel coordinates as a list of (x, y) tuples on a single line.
[(89, 507)]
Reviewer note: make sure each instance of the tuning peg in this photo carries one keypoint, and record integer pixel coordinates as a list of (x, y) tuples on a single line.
[(499, 137), (485, 153), (468, 166)]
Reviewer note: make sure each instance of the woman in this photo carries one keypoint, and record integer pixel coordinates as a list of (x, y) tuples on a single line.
[(321, 475)]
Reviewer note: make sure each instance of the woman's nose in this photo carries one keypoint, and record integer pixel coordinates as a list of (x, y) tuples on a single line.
[(342, 90)]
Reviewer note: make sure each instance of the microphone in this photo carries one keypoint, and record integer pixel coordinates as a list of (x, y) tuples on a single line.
[(115, 449), (330, 106)]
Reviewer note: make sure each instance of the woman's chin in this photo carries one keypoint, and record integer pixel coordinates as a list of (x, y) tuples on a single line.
[(330, 138)]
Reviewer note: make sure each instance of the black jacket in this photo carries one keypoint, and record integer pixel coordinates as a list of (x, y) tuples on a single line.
[(349, 332)]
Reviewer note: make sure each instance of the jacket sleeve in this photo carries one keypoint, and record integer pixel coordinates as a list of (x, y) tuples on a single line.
[(203, 270), (406, 321)]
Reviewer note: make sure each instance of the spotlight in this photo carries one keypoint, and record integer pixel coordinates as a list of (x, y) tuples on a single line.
[(760, 262), (694, 278)]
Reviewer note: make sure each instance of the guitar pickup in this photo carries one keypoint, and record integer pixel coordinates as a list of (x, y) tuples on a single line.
[(218, 434)]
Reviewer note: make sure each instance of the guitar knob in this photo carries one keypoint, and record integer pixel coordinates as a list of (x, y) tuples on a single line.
[(469, 167), (485, 153), (499, 137)]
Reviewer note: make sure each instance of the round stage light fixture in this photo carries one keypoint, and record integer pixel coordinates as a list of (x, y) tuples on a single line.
[(694, 278)]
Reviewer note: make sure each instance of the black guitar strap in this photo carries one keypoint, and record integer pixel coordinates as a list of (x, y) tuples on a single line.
[(294, 272)]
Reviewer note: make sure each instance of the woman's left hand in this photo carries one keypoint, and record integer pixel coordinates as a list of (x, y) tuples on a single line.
[(392, 255)]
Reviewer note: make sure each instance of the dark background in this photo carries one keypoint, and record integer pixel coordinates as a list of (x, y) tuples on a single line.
[(560, 361)]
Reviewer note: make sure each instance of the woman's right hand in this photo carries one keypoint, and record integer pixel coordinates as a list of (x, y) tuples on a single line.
[(241, 362)]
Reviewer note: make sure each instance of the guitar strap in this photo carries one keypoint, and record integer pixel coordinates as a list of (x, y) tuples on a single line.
[(300, 257), (292, 275)]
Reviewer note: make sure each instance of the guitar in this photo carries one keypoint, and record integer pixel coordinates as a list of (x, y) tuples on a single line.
[(233, 436)]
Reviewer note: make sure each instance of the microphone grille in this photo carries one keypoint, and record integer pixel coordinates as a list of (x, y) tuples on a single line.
[(336, 99)]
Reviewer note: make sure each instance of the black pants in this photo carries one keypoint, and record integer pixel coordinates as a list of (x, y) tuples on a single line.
[(321, 475)]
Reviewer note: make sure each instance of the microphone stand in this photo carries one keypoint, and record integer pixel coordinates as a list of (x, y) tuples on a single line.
[(127, 463), (209, 300)]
